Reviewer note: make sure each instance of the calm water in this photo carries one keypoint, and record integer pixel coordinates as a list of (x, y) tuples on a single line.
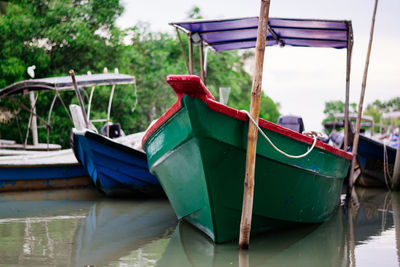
[(81, 227)]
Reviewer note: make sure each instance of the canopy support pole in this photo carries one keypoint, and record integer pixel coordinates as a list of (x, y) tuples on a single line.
[(90, 102), (348, 68), (396, 169), (78, 94), (247, 209), (360, 105), (29, 110), (190, 54), (182, 49), (205, 62), (35, 140), (109, 109), (202, 74)]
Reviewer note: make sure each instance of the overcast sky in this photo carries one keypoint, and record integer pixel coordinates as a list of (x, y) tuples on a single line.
[(302, 79)]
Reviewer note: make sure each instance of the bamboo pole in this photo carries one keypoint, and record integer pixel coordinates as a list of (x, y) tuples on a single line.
[(360, 104), (247, 209), (183, 50), (396, 170), (348, 68), (109, 109), (34, 128), (190, 54), (78, 94), (202, 75)]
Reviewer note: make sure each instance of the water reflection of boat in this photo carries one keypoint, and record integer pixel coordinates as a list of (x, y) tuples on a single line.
[(77, 227), (374, 215), (114, 229), (315, 245)]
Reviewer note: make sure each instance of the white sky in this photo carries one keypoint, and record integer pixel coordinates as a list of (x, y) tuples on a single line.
[(302, 79)]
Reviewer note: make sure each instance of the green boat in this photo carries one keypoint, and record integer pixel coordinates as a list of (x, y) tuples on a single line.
[(197, 149)]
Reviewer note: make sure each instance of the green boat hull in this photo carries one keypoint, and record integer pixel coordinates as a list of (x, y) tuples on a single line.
[(199, 156)]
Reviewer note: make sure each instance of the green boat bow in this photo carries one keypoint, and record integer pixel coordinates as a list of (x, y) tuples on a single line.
[(197, 149)]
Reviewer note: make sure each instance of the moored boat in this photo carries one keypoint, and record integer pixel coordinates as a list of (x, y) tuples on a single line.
[(115, 162), (38, 166), (114, 167), (197, 149)]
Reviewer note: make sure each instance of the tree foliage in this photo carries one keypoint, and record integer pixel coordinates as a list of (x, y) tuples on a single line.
[(375, 109), (60, 35)]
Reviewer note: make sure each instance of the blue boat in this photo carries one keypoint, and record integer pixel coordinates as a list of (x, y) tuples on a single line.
[(115, 161), (376, 162), (42, 170), (115, 168)]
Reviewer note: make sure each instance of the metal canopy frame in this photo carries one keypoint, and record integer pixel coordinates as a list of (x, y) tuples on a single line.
[(312, 32), (56, 84)]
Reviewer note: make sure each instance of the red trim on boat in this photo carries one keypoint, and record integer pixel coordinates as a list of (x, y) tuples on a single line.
[(193, 86)]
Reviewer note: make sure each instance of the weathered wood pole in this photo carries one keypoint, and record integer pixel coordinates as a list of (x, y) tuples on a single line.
[(183, 50), (395, 197), (396, 169), (35, 140), (201, 55), (360, 104), (78, 94), (190, 54), (247, 209), (348, 68)]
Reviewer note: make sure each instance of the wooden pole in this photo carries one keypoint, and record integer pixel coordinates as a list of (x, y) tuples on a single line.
[(202, 75), (247, 209), (360, 104), (109, 109), (78, 94), (348, 68), (35, 140), (183, 50), (190, 54), (396, 170)]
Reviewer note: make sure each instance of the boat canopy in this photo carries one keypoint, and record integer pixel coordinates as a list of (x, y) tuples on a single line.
[(240, 33), (65, 83), (353, 116)]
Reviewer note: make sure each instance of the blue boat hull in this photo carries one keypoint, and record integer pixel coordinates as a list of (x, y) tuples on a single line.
[(371, 160), (115, 168), (28, 177)]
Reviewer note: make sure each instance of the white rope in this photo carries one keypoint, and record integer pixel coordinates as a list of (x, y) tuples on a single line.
[(272, 144), (386, 171)]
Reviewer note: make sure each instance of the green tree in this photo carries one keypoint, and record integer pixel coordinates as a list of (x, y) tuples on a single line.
[(55, 36), (81, 35)]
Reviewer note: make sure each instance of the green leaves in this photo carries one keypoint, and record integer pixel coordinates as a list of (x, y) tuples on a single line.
[(57, 36)]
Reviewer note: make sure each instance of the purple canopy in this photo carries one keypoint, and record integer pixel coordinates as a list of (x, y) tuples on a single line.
[(229, 34)]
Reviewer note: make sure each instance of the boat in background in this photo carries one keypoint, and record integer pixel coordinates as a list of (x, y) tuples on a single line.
[(376, 151), (115, 162), (377, 154), (197, 149), (38, 166)]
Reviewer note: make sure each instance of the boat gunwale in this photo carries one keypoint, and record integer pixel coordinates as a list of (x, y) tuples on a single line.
[(198, 90), (114, 144)]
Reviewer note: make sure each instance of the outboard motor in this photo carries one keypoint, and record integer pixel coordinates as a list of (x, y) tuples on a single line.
[(294, 123), (114, 130)]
